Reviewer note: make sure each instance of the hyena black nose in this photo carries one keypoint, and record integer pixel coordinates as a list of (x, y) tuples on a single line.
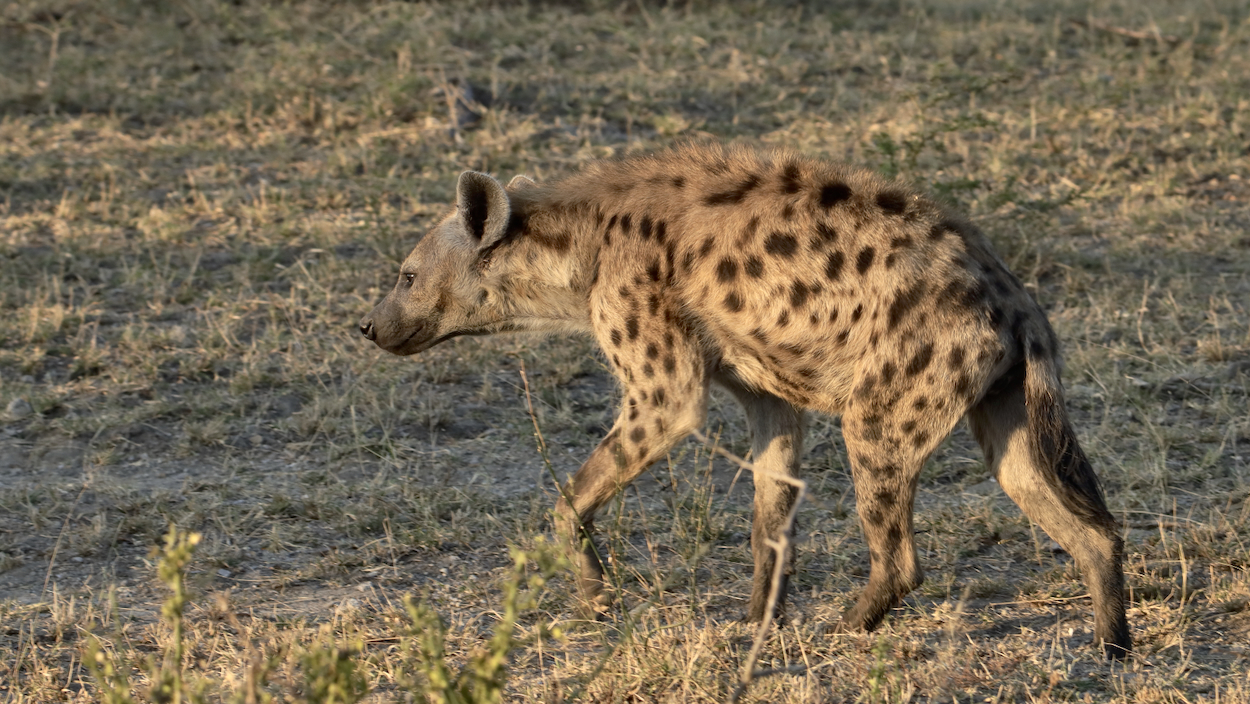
[(366, 329)]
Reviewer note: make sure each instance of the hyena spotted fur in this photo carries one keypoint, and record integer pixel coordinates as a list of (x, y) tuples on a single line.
[(796, 284)]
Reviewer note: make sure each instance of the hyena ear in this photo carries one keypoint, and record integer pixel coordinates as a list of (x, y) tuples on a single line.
[(520, 183), (483, 205)]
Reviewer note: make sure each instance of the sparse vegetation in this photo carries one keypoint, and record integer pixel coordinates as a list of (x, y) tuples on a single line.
[(198, 200)]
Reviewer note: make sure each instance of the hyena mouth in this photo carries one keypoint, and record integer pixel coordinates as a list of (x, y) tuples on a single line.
[(413, 344)]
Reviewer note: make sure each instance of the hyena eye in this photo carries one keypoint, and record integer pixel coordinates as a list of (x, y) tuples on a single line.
[(408, 278)]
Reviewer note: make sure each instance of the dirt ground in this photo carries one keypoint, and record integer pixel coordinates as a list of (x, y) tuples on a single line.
[(198, 202)]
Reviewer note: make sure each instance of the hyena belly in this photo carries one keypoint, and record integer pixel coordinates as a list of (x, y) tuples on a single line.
[(798, 285)]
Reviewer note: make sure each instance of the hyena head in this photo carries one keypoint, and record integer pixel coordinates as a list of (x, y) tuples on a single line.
[(444, 284)]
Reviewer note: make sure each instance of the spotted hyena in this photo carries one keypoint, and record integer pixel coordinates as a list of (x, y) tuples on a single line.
[(796, 284)]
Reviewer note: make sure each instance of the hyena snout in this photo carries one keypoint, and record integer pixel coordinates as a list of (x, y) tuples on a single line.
[(366, 329)]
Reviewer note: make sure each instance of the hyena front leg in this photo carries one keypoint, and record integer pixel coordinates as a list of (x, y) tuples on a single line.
[(776, 450), (665, 399)]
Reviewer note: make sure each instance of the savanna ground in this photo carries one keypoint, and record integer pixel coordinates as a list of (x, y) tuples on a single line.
[(199, 200)]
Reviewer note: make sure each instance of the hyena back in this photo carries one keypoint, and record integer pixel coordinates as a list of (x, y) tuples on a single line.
[(797, 284)]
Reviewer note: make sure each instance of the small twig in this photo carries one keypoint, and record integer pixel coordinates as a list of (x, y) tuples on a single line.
[(56, 547), (1129, 33), (1041, 602), (781, 546)]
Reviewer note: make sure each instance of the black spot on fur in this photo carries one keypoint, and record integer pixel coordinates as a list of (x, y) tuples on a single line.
[(787, 212), (557, 241), (996, 316), (963, 386), (760, 335), (653, 271), (657, 398), (920, 361), (638, 434), (625, 224), (892, 202), (648, 370), (633, 414), (833, 315), (900, 242), (887, 373), (706, 247), (754, 267), (652, 351), (790, 178), (842, 336), (903, 304), (957, 358), (872, 427), (796, 350), (939, 230), (886, 498), (616, 338), (611, 224), (863, 262), (826, 232), (661, 232), (727, 270), (733, 302), (857, 313), (687, 262), (631, 327), (670, 364), (798, 294), (813, 319), (909, 427), (734, 195), (645, 226), (653, 303), (920, 404), (893, 537), (919, 439), (748, 232), (833, 193), (833, 265), (890, 260), (783, 319), (679, 182), (780, 244)]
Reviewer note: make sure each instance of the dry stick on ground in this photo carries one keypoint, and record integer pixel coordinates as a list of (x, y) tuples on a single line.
[(781, 546), (1129, 33)]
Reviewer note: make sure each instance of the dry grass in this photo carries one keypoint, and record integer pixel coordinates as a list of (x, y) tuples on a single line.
[(198, 200)]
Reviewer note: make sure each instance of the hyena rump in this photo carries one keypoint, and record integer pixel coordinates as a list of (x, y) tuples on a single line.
[(797, 284)]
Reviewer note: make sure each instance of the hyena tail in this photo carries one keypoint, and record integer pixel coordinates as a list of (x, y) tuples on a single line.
[(1054, 445)]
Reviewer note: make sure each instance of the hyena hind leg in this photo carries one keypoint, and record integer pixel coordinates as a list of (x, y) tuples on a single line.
[(776, 450), (1064, 501), (885, 492)]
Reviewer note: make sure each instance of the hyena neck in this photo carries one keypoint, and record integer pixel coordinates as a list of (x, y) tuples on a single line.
[(543, 271)]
